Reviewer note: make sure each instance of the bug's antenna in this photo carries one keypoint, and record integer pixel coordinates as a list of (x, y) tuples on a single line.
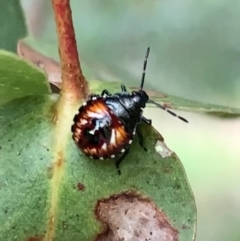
[(169, 111), (151, 101), (144, 68)]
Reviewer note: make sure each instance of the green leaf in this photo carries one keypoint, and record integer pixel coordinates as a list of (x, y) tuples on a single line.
[(18, 78), (179, 103), (67, 195), (12, 24)]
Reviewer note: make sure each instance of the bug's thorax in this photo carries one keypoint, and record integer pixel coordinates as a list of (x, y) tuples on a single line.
[(134, 103), (128, 107)]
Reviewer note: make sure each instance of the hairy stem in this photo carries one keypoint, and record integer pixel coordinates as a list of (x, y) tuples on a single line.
[(74, 85), (74, 89)]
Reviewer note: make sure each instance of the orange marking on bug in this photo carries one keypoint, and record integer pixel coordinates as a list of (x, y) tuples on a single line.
[(99, 107), (121, 134), (116, 139)]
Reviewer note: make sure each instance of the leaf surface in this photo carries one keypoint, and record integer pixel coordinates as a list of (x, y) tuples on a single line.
[(18, 78), (50, 190), (28, 170)]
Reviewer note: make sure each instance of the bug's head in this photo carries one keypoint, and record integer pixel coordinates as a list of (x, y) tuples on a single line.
[(140, 97)]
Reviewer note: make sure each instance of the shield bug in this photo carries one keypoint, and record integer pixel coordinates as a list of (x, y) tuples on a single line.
[(106, 124)]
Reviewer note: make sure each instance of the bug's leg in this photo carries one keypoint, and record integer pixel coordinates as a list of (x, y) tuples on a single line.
[(106, 92), (119, 161), (141, 139), (123, 87), (147, 121)]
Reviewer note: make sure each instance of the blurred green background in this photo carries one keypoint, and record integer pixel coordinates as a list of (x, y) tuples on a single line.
[(195, 53)]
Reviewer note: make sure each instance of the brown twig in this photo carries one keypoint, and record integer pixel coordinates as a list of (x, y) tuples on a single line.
[(73, 81), (74, 90)]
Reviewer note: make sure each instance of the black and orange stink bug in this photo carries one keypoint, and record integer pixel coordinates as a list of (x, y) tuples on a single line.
[(106, 124)]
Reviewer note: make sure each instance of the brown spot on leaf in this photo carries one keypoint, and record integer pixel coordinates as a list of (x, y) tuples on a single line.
[(129, 216), (59, 161), (35, 238), (80, 186)]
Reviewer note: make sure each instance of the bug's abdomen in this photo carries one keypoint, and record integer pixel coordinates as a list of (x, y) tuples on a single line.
[(98, 132)]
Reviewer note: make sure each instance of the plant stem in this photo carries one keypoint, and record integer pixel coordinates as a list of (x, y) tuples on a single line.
[(74, 85), (74, 90)]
